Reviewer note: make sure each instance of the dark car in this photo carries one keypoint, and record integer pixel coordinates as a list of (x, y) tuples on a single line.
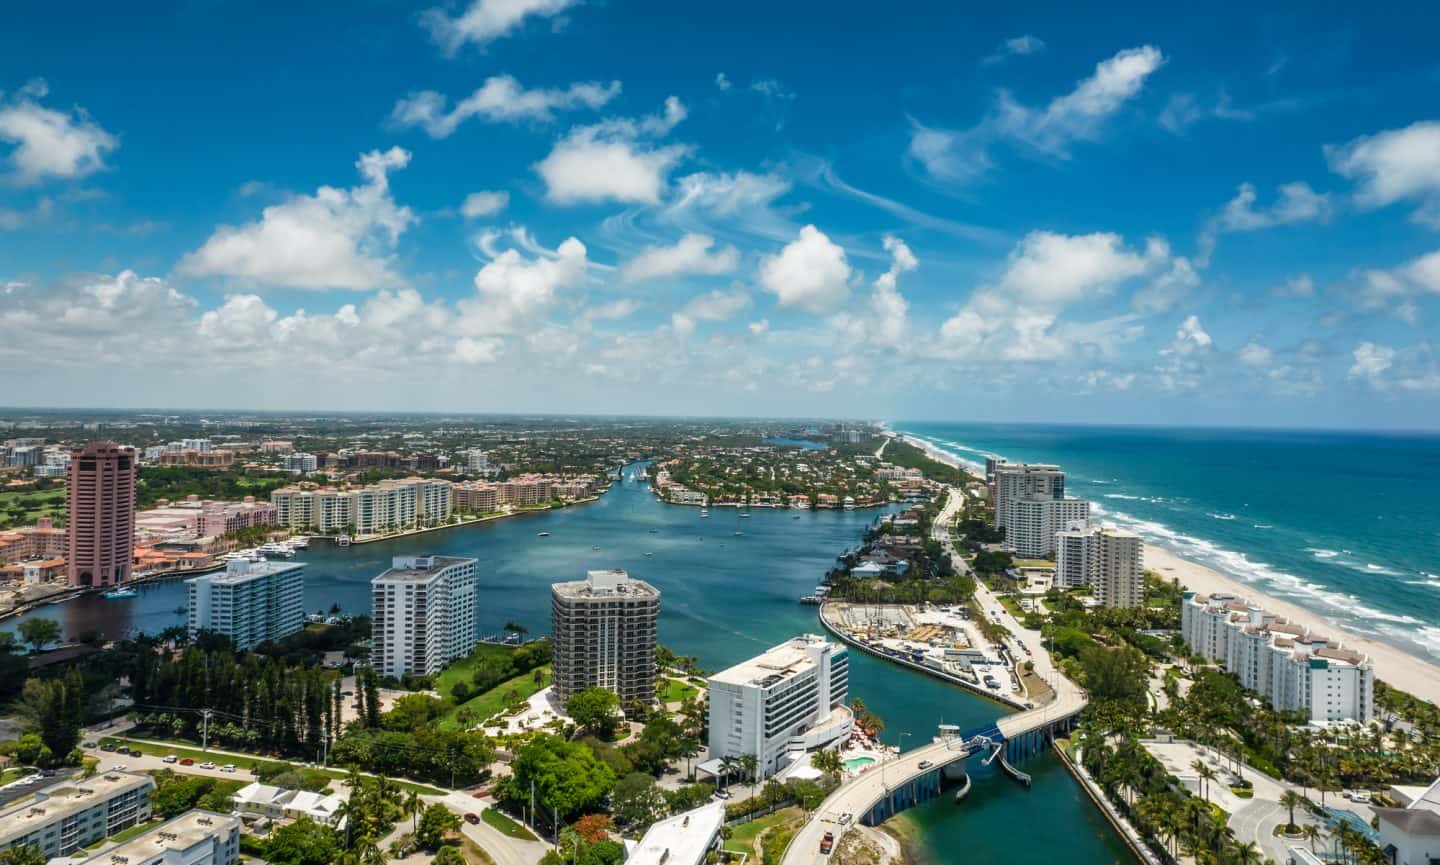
[(472, 818), (107, 747)]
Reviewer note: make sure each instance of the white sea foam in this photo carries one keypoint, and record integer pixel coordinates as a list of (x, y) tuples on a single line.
[(1344, 608)]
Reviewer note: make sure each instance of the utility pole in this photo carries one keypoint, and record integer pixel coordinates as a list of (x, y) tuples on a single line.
[(205, 729)]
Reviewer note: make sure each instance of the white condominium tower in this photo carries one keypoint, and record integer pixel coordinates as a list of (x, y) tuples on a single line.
[(1292, 668), (251, 603), (1034, 521), (1108, 558), (1015, 481), (602, 635), (423, 614), (781, 704)]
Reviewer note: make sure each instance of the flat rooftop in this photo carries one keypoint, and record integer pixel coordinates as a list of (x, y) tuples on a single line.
[(680, 840), (781, 662), (611, 583), (182, 833), (61, 800), (242, 571), (418, 568)]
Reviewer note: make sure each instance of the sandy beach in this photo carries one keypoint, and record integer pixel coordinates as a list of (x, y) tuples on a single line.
[(1395, 666)]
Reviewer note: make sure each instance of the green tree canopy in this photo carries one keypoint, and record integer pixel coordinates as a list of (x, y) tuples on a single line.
[(39, 632), (594, 709), (567, 777)]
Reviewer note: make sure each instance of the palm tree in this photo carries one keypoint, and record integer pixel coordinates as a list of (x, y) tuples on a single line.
[(414, 806), (728, 765), (1312, 834), (1290, 800), (1206, 775), (1248, 854), (827, 761), (750, 763)]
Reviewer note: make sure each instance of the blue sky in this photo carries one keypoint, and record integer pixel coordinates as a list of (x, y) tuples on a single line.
[(1124, 214)]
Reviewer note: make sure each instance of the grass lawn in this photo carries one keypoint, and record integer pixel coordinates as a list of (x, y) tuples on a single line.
[(1012, 605), (742, 840), (676, 691), (15, 774), (244, 764), (23, 508), (464, 669), (507, 827), (493, 701)]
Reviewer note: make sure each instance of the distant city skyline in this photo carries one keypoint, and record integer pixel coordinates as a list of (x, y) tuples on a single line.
[(1214, 217)]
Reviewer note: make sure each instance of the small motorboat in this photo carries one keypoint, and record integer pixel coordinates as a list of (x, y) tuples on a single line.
[(542, 534), (596, 547), (648, 555), (118, 594)]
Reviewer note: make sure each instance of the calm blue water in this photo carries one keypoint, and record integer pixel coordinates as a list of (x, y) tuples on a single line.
[(723, 599), (1346, 524)]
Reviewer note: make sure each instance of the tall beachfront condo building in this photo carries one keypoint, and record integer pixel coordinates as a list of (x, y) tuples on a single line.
[(477, 462), (388, 505), (1034, 521), (251, 602), (1021, 481), (100, 539), (423, 614), (602, 635), (993, 463), (194, 838), (64, 817), (1107, 558), (781, 704), (1294, 669)]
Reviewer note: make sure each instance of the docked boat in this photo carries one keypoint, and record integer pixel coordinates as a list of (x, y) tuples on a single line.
[(299, 543), (343, 540), (118, 594), (811, 600)]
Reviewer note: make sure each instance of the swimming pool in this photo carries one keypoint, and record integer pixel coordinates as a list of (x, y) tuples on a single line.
[(855, 764)]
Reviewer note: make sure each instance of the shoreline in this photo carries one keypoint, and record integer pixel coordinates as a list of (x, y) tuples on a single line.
[(1395, 665), (370, 539)]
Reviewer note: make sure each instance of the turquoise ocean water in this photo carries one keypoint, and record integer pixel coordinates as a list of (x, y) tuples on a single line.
[(1346, 524)]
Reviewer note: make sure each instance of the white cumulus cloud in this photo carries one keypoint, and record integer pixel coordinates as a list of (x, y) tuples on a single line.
[(478, 204), (484, 21), (691, 255), (810, 273), (615, 160), (513, 292), (50, 143), (336, 238), (1018, 46), (1394, 165), (501, 99)]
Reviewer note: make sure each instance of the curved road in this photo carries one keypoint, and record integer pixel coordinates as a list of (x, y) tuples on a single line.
[(855, 797)]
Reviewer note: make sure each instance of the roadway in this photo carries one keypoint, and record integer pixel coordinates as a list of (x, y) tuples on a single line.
[(856, 796)]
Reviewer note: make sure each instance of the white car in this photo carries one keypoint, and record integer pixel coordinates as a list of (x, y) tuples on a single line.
[(170, 758), (119, 767), (207, 765), (228, 767)]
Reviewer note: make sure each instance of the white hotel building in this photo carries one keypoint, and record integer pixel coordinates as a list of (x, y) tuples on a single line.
[(423, 614), (781, 704), (251, 602), (1292, 668), (194, 838), (1032, 523)]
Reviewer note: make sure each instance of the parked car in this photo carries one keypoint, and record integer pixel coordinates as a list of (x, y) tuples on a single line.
[(827, 843), (107, 747), (119, 767), (88, 745), (228, 767), (722, 794), (135, 753), (187, 761), (169, 758), (207, 765), (926, 764), (472, 818)]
